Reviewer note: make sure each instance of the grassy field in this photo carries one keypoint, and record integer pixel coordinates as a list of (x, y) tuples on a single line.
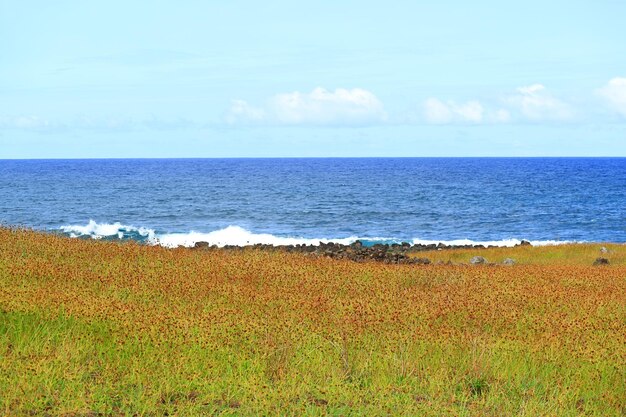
[(97, 328), (563, 255)]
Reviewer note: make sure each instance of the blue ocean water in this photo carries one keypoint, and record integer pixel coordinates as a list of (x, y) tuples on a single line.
[(245, 201)]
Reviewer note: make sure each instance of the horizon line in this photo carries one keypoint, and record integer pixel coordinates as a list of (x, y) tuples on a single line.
[(310, 157)]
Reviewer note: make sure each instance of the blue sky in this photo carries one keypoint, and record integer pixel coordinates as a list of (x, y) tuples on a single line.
[(278, 78)]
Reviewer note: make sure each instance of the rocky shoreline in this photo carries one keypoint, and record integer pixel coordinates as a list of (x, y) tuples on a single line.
[(397, 253)]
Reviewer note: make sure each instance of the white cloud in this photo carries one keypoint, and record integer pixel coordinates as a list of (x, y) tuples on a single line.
[(436, 111), (472, 111), (241, 111), (81, 122), (319, 107), (501, 116), (529, 103), (439, 112), (615, 93), (535, 103), (27, 122)]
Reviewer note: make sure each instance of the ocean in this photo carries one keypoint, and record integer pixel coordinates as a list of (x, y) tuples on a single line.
[(174, 202)]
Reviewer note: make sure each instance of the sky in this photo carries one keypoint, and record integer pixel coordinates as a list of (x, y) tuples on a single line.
[(157, 79)]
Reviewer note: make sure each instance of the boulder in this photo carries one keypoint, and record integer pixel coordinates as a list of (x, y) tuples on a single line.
[(478, 260), (601, 261), (422, 261), (508, 261)]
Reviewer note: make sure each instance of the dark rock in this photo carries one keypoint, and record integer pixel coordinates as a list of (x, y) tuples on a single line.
[(524, 243), (601, 261), (396, 253)]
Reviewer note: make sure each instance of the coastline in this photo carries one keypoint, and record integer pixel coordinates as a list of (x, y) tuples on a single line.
[(404, 253), (395, 253)]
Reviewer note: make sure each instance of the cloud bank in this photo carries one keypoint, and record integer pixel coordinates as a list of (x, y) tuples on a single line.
[(531, 103), (25, 122), (614, 92), (535, 103), (473, 112), (319, 107), (40, 124)]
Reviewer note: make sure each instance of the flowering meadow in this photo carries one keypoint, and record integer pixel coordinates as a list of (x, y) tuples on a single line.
[(90, 328)]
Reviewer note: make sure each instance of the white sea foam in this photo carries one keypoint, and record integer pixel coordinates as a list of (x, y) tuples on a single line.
[(238, 236), (100, 230)]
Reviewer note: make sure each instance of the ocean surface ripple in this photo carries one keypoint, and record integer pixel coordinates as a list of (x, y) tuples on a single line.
[(288, 201)]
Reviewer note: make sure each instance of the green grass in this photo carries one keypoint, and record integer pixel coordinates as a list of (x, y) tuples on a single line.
[(97, 328), (65, 366), (574, 254)]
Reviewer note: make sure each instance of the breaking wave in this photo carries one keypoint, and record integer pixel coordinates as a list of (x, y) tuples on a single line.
[(109, 230), (238, 236)]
